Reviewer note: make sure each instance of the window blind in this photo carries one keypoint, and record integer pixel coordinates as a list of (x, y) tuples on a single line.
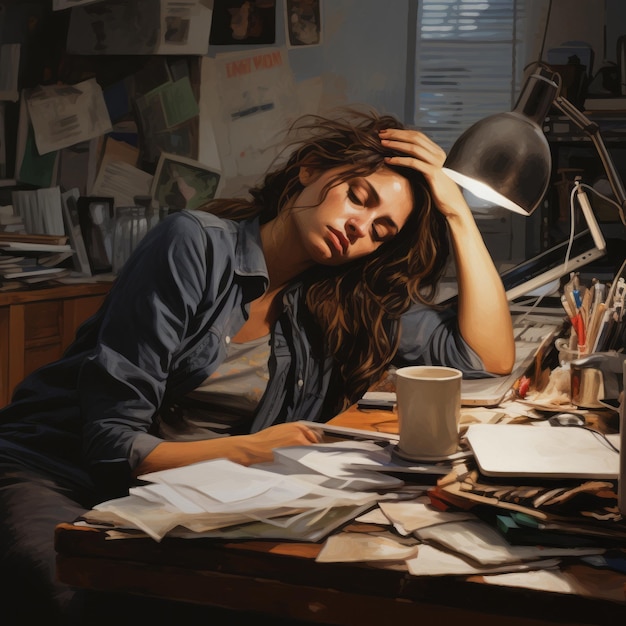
[(470, 57)]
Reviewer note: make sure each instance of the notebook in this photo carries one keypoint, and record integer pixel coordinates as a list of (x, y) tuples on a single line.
[(542, 451)]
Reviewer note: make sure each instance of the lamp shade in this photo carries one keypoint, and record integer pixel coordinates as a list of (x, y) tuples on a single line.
[(505, 158)]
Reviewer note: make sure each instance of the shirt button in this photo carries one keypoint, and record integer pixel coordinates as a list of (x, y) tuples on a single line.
[(227, 339), (300, 383)]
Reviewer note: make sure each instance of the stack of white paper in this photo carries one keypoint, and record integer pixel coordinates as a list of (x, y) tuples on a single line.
[(219, 494)]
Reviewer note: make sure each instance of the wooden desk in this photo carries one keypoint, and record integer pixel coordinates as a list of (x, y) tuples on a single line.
[(38, 324), (282, 579)]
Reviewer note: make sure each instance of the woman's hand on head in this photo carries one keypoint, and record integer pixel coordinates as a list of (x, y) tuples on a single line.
[(425, 156), (259, 447)]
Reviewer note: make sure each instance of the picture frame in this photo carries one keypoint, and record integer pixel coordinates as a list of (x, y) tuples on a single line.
[(96, 217), (183, 183)]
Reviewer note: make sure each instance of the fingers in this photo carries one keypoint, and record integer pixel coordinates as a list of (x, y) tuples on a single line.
[(312, 435), (413, 143)]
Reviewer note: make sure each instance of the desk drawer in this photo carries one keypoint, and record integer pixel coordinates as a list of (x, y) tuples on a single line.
[(42, 333), (42, 323)]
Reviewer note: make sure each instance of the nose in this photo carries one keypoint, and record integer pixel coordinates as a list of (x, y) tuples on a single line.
[(355, 229)]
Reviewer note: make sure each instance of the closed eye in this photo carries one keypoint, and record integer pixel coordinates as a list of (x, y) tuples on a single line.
[(384, 230), (354, 198)]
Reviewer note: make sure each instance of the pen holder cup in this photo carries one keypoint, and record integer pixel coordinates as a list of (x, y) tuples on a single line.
[(587, 387), (566, 354)]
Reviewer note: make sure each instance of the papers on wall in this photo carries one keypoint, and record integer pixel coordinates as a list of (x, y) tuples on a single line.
[(166, 116), (251, 99), (140, 27), (30, 166), (63, 115), (121, 181), (77, 165)]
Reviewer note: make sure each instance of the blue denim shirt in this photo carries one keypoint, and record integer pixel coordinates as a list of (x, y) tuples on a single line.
[(162, 330)]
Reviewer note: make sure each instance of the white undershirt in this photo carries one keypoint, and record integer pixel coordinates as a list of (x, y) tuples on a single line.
[(226, 402)]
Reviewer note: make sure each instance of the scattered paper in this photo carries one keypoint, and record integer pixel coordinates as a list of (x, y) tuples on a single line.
[(482, 544), (431, 561), (353, 547), (543, 580), (412, 516)]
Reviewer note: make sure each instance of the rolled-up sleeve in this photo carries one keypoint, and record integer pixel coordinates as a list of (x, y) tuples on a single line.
[(430, 336)]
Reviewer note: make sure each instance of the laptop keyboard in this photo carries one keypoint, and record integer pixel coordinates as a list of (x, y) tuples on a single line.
[(529, 330)]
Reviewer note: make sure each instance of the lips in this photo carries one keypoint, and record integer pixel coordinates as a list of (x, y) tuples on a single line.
[(339, 240)]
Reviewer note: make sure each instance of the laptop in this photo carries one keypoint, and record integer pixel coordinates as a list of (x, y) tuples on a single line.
[(524, 450)]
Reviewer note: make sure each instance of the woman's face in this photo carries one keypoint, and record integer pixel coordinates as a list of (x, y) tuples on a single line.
[(355, 218)]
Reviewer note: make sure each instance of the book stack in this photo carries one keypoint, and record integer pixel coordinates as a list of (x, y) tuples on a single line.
[(606, 103), (27, 259), (9, 221)]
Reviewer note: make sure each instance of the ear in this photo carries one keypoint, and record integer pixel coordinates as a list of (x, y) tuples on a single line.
[(307, 175)]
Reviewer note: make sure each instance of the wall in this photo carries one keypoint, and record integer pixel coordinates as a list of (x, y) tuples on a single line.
[(363, 56)]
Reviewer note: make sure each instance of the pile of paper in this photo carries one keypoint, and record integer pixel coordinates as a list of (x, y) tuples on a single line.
[(305, 493)]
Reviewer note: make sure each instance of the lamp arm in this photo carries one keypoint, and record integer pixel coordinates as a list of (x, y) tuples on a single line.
[(593, 131)]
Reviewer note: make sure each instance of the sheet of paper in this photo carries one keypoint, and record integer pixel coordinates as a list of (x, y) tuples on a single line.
[(431, 561), (352, 547), (483, 544), (543, 580), (122, 182), (336, 460), (139, 27), (220, 479), (62, 115), (251, 99), (412, 516)]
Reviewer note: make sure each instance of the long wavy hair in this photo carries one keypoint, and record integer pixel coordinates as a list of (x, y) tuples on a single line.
[(357, 306)]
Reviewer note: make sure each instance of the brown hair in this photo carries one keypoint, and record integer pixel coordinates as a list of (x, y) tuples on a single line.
[(358, 305)]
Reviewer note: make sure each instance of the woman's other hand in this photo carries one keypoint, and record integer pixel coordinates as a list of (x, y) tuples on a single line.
[(425, 156)]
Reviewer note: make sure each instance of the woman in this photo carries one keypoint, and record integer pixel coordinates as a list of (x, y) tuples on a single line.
[(220, 334)]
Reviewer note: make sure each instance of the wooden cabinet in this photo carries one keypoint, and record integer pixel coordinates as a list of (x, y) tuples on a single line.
[(37, 325)]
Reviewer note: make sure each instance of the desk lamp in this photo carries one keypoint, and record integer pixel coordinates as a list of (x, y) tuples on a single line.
[(505, 158)]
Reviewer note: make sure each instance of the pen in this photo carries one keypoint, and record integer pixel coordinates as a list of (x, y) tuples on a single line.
[(567, 307), (577, 298)]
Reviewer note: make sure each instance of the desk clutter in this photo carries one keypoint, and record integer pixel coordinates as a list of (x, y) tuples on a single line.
[(361, 503)]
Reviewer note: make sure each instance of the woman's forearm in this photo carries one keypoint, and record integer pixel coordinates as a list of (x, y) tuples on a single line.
[(243, 449), (483, 310)]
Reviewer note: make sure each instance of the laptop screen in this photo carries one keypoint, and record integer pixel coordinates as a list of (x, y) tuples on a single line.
[(550, 265)]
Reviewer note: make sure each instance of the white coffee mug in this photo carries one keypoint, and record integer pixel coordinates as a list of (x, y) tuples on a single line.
[(429, 411)]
